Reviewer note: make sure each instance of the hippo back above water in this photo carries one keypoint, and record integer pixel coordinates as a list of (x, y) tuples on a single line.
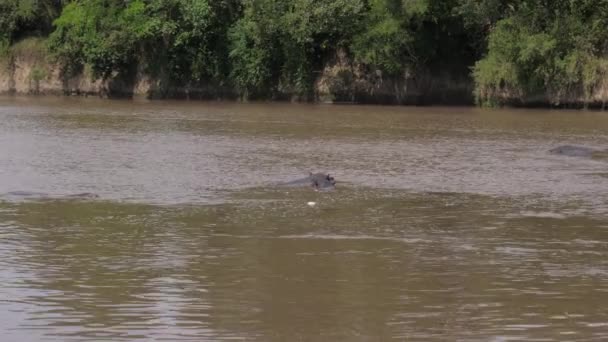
[(578, 151), (318, 181)]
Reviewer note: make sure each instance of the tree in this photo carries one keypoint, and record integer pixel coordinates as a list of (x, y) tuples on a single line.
[(277, 45), (545, 52), (21, 18)]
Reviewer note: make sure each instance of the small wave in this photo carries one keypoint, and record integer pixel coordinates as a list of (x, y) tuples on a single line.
[(543, 214), (352, 237), (516, 250)]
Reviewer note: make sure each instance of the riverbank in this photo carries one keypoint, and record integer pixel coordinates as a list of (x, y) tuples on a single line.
[(28, 70), (23, 75)]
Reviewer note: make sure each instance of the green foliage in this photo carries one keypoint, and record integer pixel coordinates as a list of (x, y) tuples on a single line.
[(104, 34), (20, 18), (38, 73), (485, 13), (179, 41), (555, 52), (190, 36), (269, 48), (402, 36), (277, 46), (8, 23), (32, 50), (387, 41), (251, 54)]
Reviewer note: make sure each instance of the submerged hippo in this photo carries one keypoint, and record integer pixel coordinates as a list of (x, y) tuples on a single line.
[(318, 181), (578, 151)]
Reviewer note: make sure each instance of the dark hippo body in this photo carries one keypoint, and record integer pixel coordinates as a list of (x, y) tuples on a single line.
[(318, 181), (578, 151)]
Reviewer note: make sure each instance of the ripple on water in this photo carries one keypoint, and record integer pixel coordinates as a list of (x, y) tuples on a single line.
[(447, 226)]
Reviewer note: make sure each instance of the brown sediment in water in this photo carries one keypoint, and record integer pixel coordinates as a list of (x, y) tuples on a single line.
[(450, 223)]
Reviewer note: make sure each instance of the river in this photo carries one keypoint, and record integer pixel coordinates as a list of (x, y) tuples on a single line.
[(447, 223)]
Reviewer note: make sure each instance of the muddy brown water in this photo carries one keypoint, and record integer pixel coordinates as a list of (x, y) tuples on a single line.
[(448, 224)]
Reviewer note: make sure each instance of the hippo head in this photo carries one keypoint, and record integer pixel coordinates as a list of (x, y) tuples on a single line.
[(321, 181), (330, 179)]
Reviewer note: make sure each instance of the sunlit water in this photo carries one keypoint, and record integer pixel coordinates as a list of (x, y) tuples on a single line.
[(448, 224)]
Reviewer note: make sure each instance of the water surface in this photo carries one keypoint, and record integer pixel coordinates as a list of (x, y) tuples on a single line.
[(447, 223)]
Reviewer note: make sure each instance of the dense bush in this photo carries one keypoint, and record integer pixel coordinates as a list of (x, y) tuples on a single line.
[(21, 18), (546, 51), (512, 49)]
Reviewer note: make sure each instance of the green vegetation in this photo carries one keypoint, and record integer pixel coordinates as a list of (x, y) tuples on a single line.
[(37, 74), (32, 49), (23, 18), (515, 51), (543, 52)]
